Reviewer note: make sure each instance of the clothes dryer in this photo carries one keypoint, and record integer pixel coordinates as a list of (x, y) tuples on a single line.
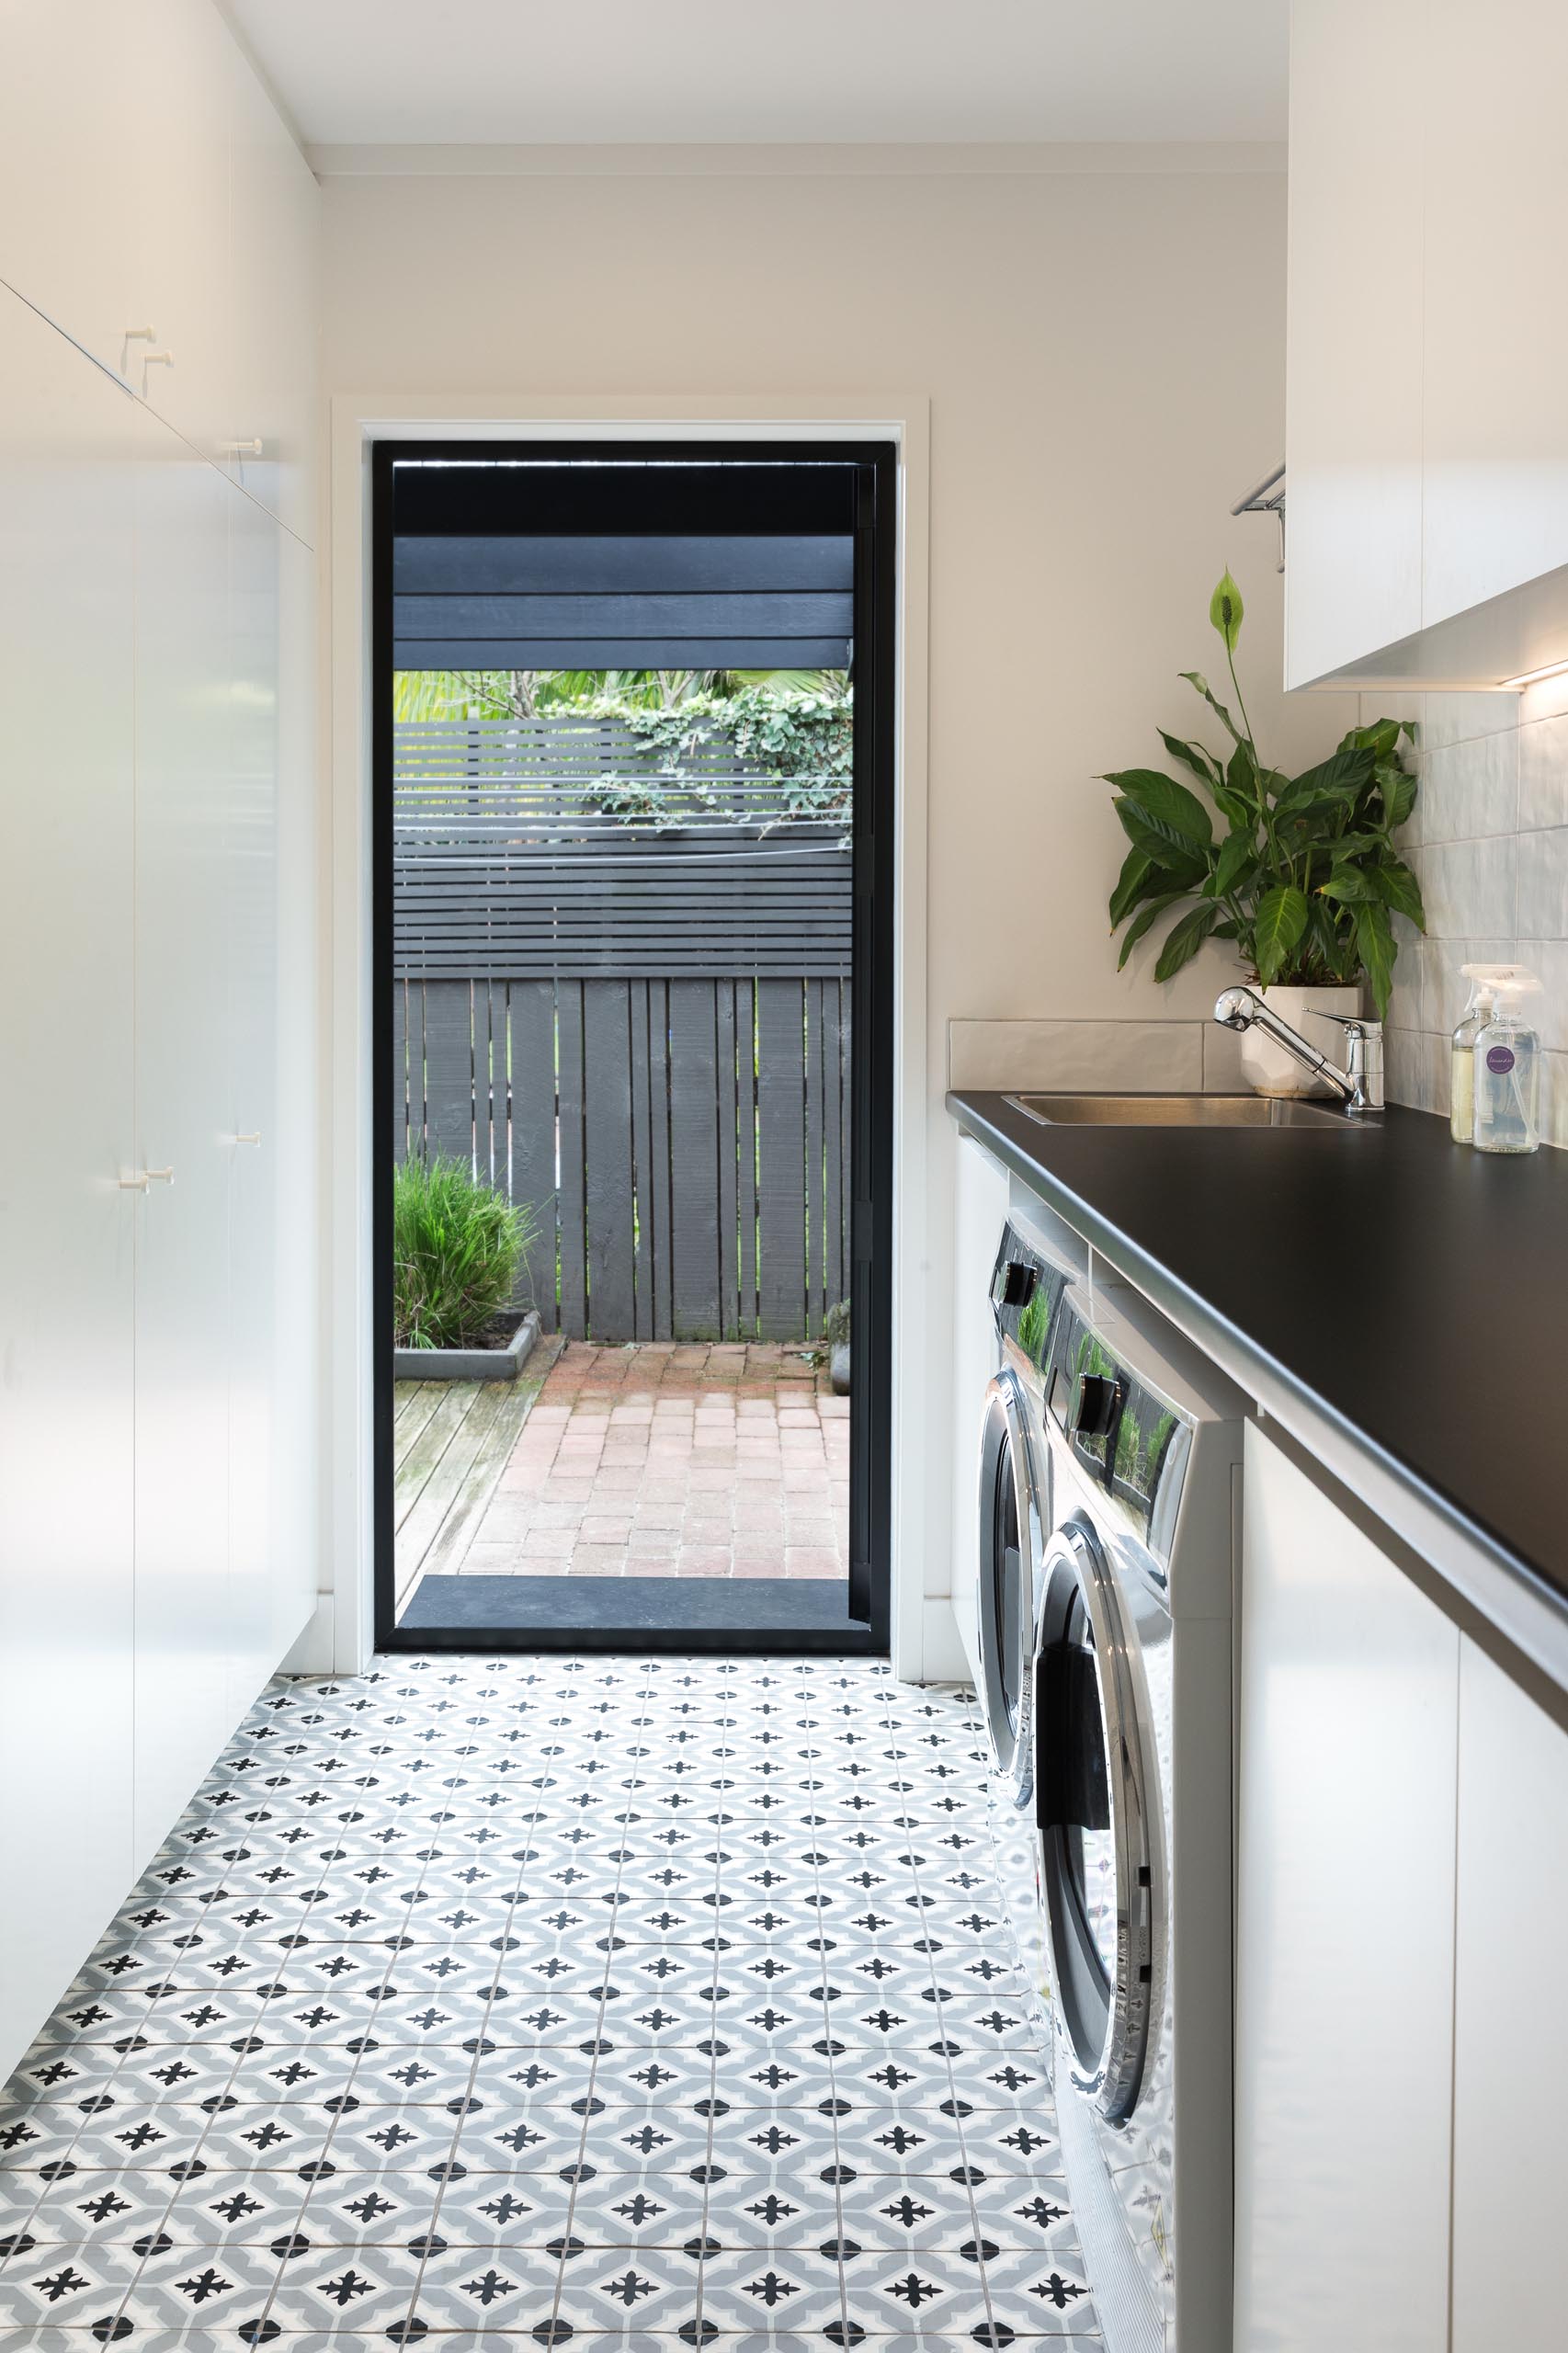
[(1133, 1727)]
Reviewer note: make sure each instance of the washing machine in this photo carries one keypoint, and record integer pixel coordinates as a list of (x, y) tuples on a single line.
[(1031, 1275), (1029, 1283), (1133, 1717)]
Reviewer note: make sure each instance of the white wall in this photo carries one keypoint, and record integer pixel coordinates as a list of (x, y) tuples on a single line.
[(1103, 352)]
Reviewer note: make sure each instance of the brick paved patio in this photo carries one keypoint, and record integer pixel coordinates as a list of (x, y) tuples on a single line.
[(668, 1459)]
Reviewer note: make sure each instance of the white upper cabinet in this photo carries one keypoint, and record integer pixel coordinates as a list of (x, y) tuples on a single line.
[(1427, 425), (154, 207), (179, 197), (1353, 366), (274, 212), (1495, 372)]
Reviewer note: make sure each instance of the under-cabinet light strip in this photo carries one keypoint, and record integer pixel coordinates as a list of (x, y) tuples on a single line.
[(1529, 678)]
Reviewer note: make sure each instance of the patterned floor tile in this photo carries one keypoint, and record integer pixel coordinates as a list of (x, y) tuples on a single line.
[(665, 2002), (366, 2289), (748, 2286), (55, 2338), (70, 2286), (1025, 2214), (908, 2212), (923, 2295), (639, 2287), (633, 2209), (1044, 2293), (219, 2286), (224, 2209), (497, 2287)]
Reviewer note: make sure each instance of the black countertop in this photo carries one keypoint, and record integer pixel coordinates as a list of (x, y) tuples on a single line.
[(1398, 1300)]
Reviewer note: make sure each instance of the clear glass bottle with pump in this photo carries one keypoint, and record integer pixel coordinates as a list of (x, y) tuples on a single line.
[(1507, 1063), (1462, 1051)]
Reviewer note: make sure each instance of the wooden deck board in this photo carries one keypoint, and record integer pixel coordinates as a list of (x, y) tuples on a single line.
[(453, 1440), (424, 1456), (443, 1487), (411, 1413)]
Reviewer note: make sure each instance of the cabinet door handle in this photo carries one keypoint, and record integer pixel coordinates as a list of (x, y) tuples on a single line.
[(164, 1175), (136, 1182), (239, 449), (254, 1137)]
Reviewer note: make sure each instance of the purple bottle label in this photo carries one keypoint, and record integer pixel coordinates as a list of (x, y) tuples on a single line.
[(1499, 1059)]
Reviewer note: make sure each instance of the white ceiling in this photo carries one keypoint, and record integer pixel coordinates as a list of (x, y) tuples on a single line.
[(520, 72)]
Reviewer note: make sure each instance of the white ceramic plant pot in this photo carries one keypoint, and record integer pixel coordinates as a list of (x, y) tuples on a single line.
[(1267, 1068)]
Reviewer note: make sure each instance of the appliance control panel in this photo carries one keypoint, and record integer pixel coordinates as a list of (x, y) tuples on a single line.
[(1122, 1436), (1097, 1403), (1026, 1288)]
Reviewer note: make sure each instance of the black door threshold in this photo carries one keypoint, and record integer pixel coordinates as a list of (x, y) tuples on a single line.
[(633, 1614)]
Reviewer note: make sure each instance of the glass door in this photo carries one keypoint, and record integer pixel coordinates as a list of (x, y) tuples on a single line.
[(1096, 1794), (632, 803)]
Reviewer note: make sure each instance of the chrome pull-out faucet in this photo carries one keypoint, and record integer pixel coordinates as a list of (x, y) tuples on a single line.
[(1359, 1086)]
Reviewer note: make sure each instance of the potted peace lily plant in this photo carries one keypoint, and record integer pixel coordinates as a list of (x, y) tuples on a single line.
[(1302, 873)]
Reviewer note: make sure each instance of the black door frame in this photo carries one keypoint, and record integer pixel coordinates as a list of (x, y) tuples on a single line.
[(871, 1068)]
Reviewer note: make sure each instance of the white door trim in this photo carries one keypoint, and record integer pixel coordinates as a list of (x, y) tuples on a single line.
[(357, 420)]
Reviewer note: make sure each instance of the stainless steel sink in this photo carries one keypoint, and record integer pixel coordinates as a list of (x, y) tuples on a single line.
[(1178, 1111)]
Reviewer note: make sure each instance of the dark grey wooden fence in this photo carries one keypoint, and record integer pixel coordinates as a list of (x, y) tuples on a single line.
[(642, 1034)]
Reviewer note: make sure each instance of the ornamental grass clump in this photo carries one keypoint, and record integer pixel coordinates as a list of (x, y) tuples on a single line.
[(456, 1249), (1304, 877)]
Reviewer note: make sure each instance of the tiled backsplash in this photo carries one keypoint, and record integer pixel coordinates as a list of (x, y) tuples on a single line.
[(1489, 841), (1096, 1057)]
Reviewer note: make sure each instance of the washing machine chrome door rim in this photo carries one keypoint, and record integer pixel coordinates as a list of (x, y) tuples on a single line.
[(1011, 1537), (1097, 1795)]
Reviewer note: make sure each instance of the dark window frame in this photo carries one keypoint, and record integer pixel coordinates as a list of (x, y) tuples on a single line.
[(872, 1066)]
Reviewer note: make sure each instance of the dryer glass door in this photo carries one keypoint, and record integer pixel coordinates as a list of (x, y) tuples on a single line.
[(1009, 1541), (1097, 1847)]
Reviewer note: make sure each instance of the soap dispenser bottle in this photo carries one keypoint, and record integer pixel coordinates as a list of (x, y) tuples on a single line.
[(1461, 1052), (1505, 1060)]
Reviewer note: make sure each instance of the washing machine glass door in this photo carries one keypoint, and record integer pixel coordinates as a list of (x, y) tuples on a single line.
[(1010, 1536), (1096, 1796)]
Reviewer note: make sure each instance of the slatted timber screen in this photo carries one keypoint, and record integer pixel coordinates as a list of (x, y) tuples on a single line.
[(662, 1070), (507, 862)]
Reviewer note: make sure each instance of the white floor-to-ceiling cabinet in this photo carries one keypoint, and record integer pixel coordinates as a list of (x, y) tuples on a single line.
[(185, 1148), (67, 1232), (157, 948), (156, 1559)]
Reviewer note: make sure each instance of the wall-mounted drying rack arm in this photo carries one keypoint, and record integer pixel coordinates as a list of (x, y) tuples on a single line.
[(1268, 499)]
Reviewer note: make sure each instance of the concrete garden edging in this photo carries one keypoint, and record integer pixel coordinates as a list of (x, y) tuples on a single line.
[(469, 1364)]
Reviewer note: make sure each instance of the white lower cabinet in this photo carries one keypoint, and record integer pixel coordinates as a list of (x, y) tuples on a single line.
[(1402, 2041), (1345, 1982), (67, 1332), (1510, 2023)]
